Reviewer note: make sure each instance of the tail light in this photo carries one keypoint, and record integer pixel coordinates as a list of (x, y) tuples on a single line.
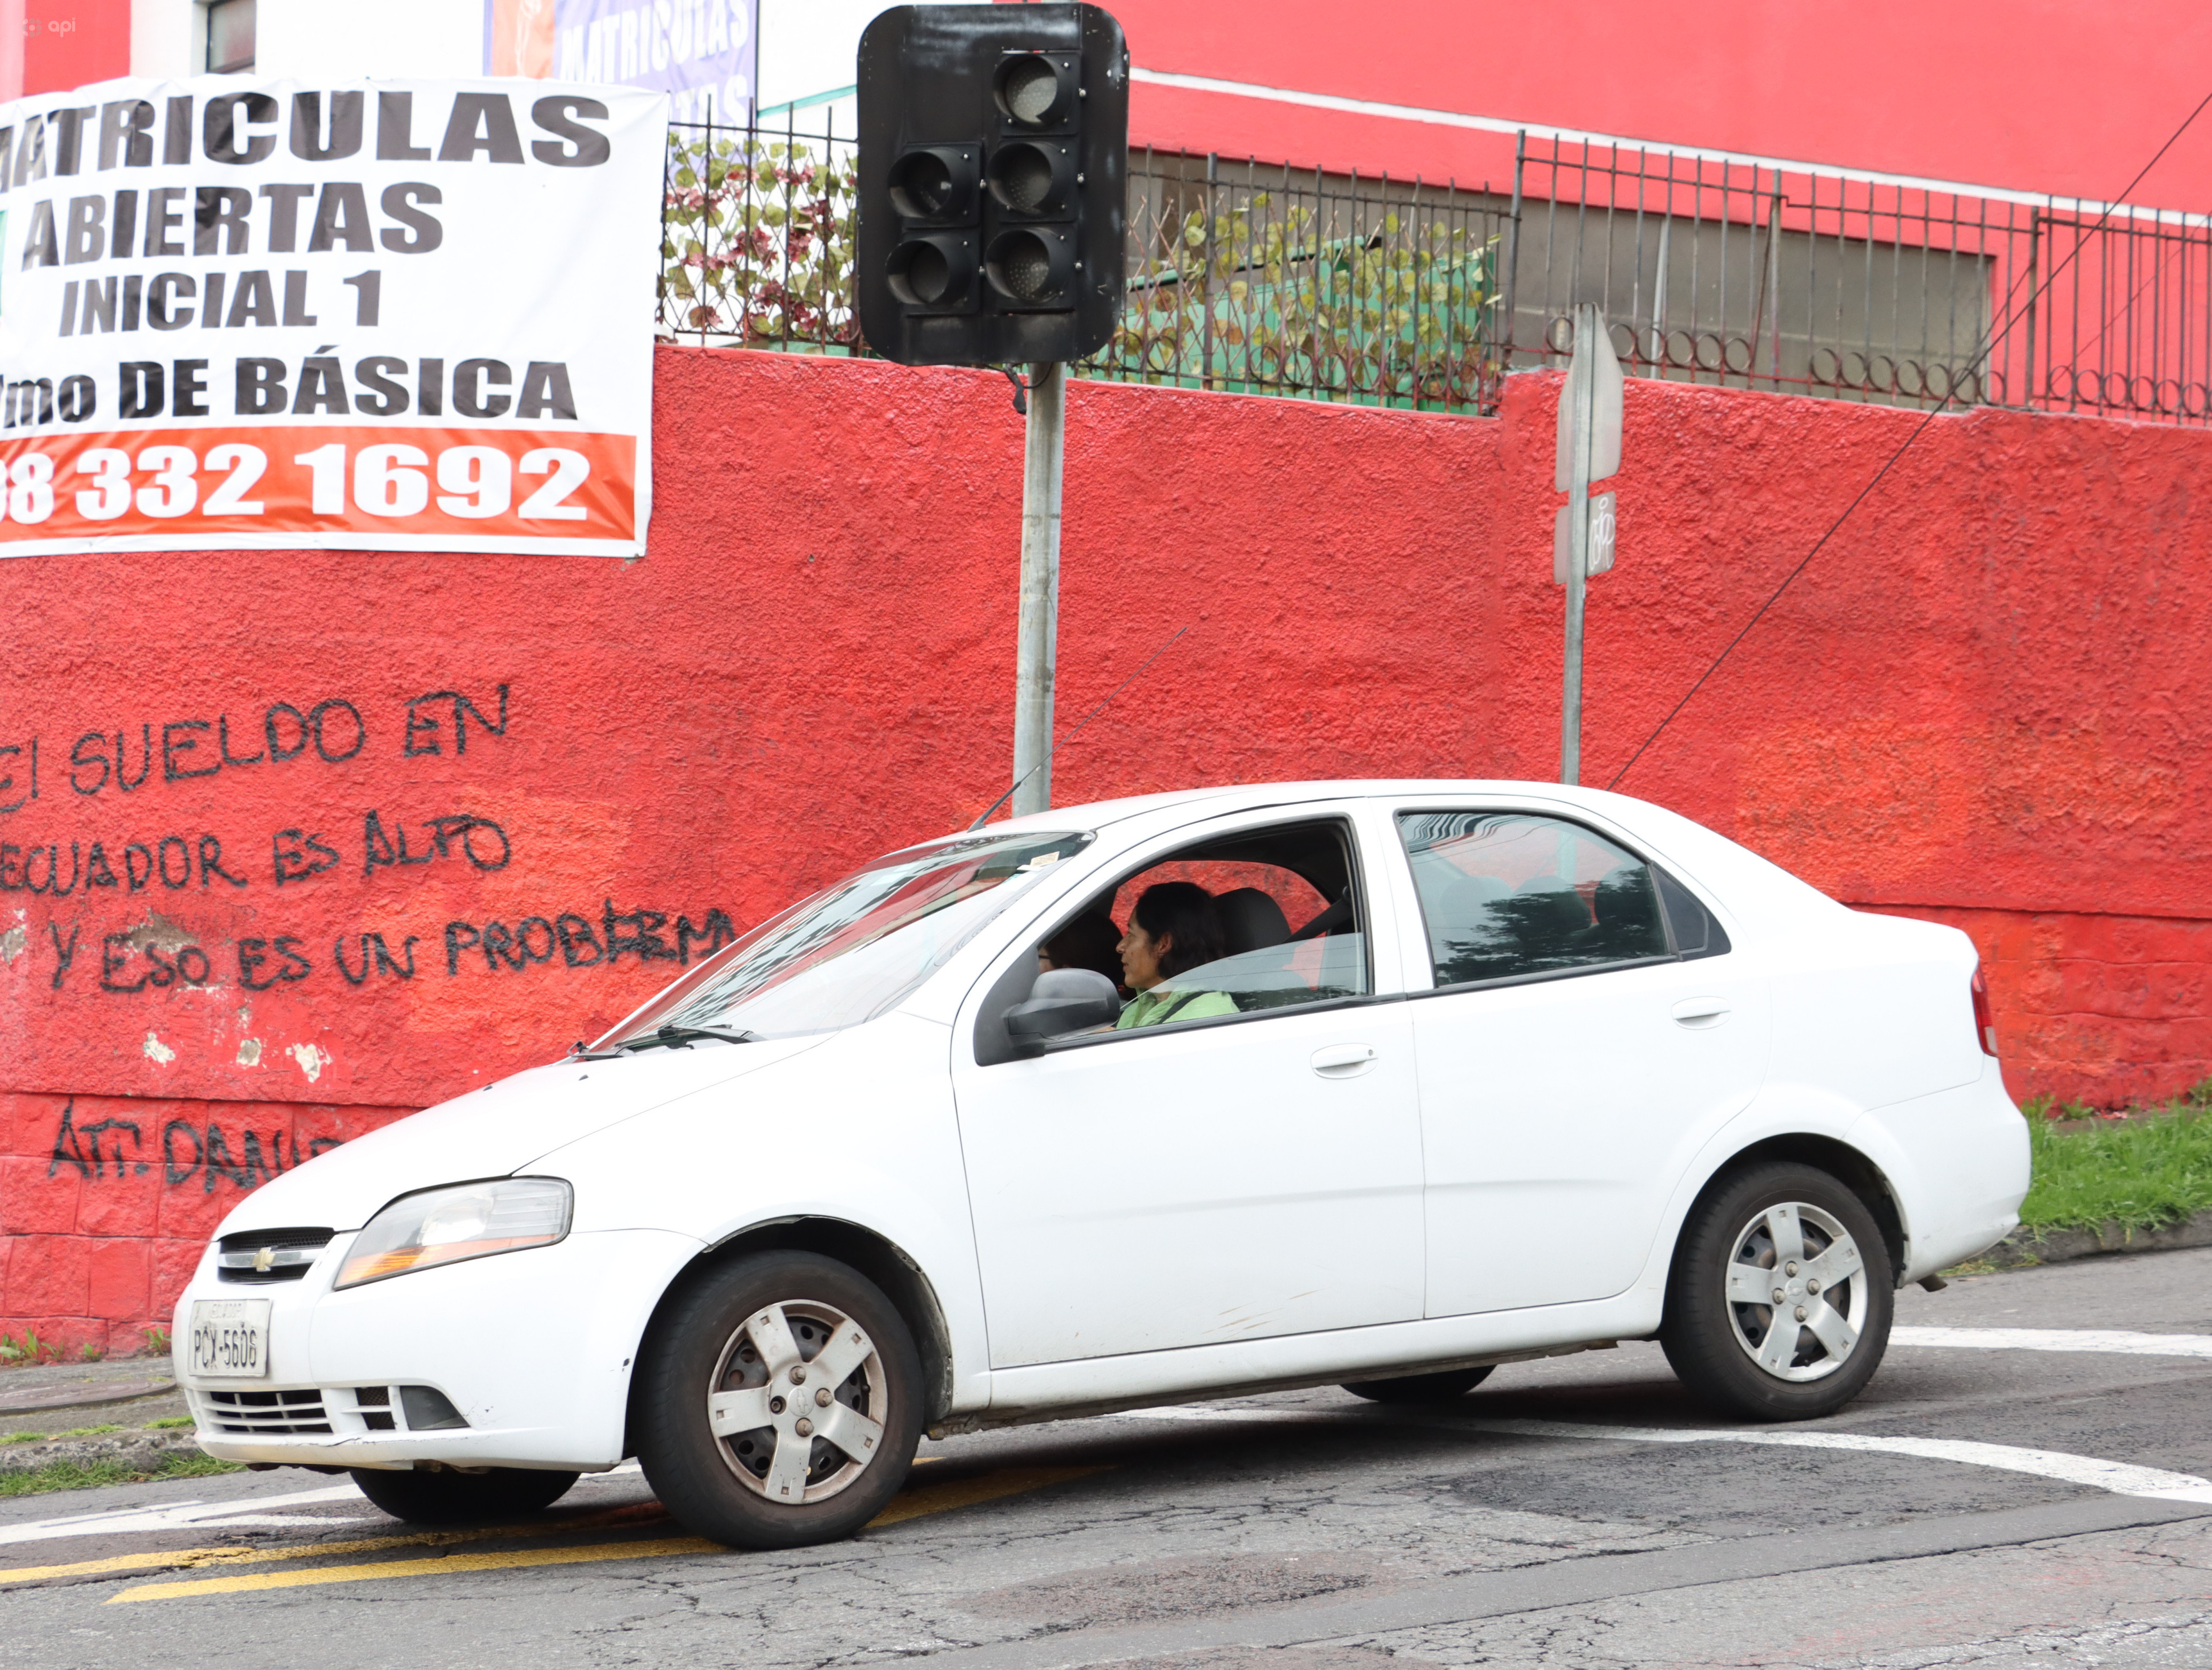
[(1985, 1028)]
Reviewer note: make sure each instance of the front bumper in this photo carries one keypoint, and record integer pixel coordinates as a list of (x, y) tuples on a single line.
[(532, 1349)]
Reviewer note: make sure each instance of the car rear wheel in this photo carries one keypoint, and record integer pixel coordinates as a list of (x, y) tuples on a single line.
[(1778, 1306), (1419, 1388), (779, 1402), (448, 1497)]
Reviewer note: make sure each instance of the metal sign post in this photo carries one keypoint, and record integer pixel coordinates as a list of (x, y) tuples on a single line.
[(1036, 649), (1588, 450)]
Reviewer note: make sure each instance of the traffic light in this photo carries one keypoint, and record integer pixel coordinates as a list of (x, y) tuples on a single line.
[(995, 145)]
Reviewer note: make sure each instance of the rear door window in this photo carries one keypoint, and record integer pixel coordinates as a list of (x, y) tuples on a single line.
[(1512, 895)]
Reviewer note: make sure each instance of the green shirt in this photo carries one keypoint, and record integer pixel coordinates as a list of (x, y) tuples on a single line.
[(1164, 1002)]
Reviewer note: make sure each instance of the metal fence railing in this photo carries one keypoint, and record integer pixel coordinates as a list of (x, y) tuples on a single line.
[(1860, 289), (1264, 280), (756, 230), (1259, 279)]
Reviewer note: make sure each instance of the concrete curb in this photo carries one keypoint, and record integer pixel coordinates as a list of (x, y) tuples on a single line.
[(2026, 1246), (141, 1452)]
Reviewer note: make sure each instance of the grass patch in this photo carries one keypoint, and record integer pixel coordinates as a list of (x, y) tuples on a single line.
[(2150, 1168), (26, 1438), (171, 1424), (74, 1476)]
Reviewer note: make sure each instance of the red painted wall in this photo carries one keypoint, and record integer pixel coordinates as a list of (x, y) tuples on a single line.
[(71, 43), (1973, 706), (2063, 96)]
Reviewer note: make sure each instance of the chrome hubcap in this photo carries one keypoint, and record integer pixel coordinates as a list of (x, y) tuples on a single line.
[(1796, 1292), (796, 1402)]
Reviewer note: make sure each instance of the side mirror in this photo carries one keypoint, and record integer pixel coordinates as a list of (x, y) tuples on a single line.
[(1063, 1000)]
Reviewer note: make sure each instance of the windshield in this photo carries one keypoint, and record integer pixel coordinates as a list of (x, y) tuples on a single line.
[(856, 947)]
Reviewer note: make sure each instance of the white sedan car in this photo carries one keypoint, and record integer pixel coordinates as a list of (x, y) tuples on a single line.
[(1408, 1080)]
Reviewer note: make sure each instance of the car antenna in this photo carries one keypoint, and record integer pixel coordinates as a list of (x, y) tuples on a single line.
[(1073, 735)]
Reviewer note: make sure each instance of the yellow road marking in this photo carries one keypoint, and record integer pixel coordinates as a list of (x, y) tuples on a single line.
[(909, 1504), (190, 1558), (443, 1565)]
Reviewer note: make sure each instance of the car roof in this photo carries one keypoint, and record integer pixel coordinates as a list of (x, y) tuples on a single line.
[(1745, 880), (1232, 797)]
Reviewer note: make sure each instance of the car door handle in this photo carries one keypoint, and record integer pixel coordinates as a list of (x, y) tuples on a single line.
[(1701, 1014), (1343, 1061)]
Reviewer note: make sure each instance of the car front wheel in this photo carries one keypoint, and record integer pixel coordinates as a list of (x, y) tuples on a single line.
[(778, 1402), (1778, 1306)]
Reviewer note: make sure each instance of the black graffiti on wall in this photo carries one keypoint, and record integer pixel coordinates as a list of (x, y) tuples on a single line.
[(583, 943), (160, 954), (133, 867), (111, 1149), (181, 863), (123, 760)]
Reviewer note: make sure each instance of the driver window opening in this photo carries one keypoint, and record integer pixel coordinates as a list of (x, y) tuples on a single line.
[(1238, 925)]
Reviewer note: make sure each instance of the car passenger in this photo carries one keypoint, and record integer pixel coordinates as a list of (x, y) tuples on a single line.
[(1175, 927), (1091, 941)]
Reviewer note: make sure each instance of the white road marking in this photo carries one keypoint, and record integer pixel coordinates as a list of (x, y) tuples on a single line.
[(2120, 1478), (244, 1510), (611, 1472), (2116, 1340)]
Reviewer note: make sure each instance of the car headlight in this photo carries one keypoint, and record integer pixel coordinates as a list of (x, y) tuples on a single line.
[(466, 1221)]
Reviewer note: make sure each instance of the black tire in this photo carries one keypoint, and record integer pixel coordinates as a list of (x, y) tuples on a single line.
[(447, 1498), (1420, 1388), (1714, 1336), (706, 1343)]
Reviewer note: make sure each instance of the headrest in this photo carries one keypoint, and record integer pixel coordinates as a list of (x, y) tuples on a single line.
[(1251, 921), (1552, 906), (1624, 899)]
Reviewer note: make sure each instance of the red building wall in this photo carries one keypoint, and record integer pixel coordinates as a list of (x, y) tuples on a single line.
[(1973, 706), (2061, 96), (69, 43)]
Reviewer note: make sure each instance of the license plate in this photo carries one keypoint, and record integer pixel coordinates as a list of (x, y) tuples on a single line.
[(230, 1339)]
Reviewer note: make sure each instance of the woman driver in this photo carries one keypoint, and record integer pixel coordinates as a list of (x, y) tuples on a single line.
[(1175, 927)]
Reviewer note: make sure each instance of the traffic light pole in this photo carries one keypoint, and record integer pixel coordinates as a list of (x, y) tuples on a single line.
[(1036, 649)]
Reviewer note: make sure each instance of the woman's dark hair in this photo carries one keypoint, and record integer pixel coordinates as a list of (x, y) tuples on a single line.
[(1087, 943), (1184, 912)]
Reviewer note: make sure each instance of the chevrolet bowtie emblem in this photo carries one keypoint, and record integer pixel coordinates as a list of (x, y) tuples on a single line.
[(264, 1259)]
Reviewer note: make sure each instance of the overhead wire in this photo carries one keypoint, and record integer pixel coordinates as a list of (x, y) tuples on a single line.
[(2013, 316)]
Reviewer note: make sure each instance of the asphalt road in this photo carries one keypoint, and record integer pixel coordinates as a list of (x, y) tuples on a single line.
[(1990, 1501)]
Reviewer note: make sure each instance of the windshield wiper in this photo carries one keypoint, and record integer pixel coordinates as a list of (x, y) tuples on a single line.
[(679, 1037)]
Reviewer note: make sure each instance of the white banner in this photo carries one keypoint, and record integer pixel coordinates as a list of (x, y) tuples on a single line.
[(699, 53), (399, 315)]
